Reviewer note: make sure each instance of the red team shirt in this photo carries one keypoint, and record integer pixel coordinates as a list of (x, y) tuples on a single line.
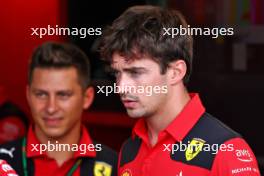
[(156, 161), (43, 165)]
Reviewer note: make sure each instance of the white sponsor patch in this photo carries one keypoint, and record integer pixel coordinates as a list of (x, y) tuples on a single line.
[(244, 169), (244, 155)]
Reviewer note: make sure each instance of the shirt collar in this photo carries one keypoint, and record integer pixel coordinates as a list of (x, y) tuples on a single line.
[(85, 140), (181, 125)]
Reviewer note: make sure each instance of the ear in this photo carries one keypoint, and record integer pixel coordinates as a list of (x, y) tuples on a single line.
[(177, 71), (88, 97)]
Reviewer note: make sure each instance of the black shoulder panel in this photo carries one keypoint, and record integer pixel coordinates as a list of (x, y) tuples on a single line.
[(129, 150), (213, 133), (106, 155), (11, 152)]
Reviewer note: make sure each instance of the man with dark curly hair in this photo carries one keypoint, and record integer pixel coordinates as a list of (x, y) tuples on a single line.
[(173, 136)]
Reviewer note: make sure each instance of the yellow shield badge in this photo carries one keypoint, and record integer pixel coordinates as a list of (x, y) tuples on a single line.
[(102, 169), (194, 148)]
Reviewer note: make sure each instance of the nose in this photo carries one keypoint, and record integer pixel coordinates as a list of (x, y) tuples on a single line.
[(124, 84), (51, 106)]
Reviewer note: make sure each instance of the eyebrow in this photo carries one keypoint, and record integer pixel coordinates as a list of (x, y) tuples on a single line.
[(111, 69), (38, 90), (35, 90), (135, 69)]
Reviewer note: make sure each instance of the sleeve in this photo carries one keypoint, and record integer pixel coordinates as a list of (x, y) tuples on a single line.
[(235, 158), (6, 169)]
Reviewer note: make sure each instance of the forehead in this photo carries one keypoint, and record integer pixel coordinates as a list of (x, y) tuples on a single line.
[(122, 62), (51, 77)]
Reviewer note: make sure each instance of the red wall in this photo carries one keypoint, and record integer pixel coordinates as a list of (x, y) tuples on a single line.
[(17, 17)]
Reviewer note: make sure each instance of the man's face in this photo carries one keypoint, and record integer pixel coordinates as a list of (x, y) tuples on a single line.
[(57, 100), (142, 72)]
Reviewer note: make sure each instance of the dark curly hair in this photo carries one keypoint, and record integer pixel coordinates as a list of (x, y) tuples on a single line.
[(140, 31)]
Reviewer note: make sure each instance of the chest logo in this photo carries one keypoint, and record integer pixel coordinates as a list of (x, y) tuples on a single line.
[(102, 169), (8, 152), (194, 148), (180, 174), (126, 172)]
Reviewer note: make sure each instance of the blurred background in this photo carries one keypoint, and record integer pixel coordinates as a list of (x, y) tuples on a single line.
[(228, 71)]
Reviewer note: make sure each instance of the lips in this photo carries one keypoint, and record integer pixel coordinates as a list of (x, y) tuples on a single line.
[(129, 103), (52, 121)]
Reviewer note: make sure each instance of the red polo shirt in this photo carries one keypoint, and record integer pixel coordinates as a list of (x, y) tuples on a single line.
[(44, 165), (156, 160)]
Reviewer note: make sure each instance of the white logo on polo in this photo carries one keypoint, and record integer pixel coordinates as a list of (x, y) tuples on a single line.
[(180, 174), (244, 155), (6, 167), (8, 152)]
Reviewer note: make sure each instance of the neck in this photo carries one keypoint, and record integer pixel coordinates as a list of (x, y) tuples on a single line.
[(165, 115), (71, 137)]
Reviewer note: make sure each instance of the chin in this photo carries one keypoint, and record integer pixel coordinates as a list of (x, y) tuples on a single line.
[(135, 113), (54, 133)]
